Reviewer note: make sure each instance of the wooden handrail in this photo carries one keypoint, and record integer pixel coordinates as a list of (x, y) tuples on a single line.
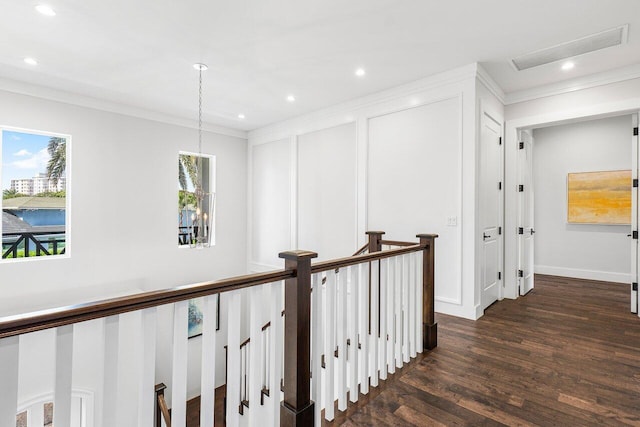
[(161, 408), (245, 342), (362, 250), (359, 259), (396, 243), (46, 319)]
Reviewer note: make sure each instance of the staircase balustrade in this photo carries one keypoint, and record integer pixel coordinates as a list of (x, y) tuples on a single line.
[(333, 330)]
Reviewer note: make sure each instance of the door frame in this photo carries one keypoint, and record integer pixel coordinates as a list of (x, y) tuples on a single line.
[(595, 111), (497, 117)]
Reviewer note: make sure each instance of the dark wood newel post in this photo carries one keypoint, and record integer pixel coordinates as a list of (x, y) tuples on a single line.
[(297, 408), (429, 325), (374, 246), (374, 240)]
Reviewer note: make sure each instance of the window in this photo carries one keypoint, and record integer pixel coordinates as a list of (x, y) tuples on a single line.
[(196, 222), (34, 180)]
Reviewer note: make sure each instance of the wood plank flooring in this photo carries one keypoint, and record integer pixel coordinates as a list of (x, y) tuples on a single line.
[(567, 354)]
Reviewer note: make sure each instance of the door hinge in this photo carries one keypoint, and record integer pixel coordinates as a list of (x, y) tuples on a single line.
[(520, 188), (499, 275), (520, 273), (634, 286), (635, 131), (499, 230), (634, 234), (500, 141), (520, 230), (635, 182), (520, 145), (500, 185)]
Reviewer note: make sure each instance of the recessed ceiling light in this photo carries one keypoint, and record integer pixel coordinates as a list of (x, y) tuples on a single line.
[(200, 67), (568, 65), (360, 72), (45, 10), (30, 61), (241, 116), (291, 98)]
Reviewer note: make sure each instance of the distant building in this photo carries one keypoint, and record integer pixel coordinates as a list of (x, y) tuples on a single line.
[(38, 184), (22, 186)]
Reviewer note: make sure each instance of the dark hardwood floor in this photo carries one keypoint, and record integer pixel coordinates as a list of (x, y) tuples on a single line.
[(567, 354)]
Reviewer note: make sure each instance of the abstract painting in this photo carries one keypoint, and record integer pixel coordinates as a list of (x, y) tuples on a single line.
[(196, 316), (599, 197)]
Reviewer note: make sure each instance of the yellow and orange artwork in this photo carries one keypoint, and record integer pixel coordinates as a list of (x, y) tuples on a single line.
[(599, 197)]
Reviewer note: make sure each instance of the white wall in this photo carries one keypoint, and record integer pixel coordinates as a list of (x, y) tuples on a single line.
[(598, 252), (271, 203), (407, 192), (123, 215), (424, 134), (575, 104), (327, 188)]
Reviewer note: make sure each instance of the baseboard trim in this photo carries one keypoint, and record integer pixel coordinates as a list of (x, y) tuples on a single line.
[(606, 276)]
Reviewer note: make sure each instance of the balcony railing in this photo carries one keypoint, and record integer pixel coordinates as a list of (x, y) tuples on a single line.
[(34, 243)]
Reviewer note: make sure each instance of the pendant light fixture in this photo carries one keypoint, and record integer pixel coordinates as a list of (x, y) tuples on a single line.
[(201, 219)]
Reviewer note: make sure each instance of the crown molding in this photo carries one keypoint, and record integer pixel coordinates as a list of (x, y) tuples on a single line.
[(580, 83), (491, 84), (50, 94), (346, 109)]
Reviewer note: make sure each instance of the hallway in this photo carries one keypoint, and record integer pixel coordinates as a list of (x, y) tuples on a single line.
[(567, 354), (539, 360)]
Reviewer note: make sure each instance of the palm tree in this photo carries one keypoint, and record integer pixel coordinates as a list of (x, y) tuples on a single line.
[(187, 165), (9, 194), (57, 149)]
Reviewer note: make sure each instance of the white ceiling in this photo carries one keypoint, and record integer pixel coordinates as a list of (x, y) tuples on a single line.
[(140, 52)]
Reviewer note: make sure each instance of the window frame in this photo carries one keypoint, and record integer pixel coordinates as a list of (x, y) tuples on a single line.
[(68, 193)]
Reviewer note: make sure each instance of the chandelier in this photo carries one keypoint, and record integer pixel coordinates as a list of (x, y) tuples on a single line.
[(201, 219)]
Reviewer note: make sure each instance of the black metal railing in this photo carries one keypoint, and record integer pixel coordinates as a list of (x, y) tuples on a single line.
[(34, 243)]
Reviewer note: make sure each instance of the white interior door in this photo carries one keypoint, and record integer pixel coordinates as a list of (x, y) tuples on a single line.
[(634, 217), (526, 230), (490, 208)]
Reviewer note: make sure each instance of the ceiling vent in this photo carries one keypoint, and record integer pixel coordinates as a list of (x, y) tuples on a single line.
[(608, 38)]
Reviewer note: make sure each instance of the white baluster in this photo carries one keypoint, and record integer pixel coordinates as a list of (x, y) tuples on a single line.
[(147, 367), (256, 321), (397, 311), (375, 316), (353, 332), (330, 393), (411, 304), (208, 363), (405, 308), (35, 417), (9, 356), (386, 281), (418, 302), (317, 347), (179, 372), (110, 385), (233, 358), (64, 374), (341, 339), (275, 351), (364, 327), (391, 313)]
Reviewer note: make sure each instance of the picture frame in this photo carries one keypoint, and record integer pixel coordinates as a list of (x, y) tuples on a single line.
[(599, 197), (196, 316)]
